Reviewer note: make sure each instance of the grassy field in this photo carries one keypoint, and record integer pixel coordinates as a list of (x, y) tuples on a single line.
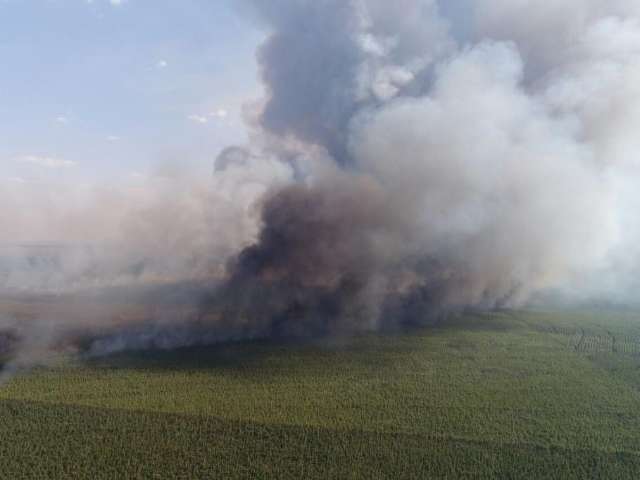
[(505, 395)]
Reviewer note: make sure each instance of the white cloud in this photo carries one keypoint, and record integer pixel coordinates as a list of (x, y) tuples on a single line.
[(198, 118), (113, 3), (113, 138), (62, 119), (46, 162), (219, 113), (16, 180), (162, 64)]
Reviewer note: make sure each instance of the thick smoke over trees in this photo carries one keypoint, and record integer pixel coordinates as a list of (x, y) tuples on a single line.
[(484, 180), (409, 158)]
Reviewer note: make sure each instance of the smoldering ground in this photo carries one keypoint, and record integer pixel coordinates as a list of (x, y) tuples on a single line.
[(408, 159)]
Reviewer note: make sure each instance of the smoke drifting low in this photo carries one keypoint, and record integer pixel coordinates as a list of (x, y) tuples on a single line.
[(409, 159)]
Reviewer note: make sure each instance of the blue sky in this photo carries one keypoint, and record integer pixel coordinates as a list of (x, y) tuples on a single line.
[(102, 89)]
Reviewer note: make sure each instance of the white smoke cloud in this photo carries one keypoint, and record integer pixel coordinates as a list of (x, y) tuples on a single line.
[(164, 227), (506, 127)]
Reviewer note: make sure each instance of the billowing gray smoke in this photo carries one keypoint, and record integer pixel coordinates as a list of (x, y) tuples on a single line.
[(410, 158)]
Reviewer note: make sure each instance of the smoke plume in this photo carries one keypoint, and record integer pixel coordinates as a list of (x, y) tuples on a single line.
[(409, 158)]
